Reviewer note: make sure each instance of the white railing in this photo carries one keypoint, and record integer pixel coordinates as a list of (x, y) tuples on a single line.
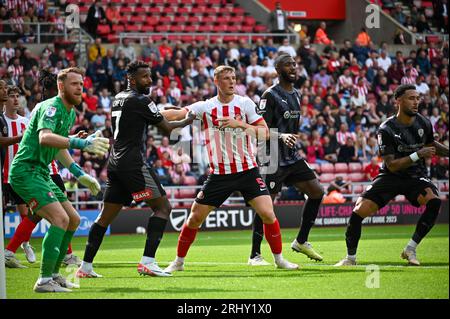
[(40, 34), (141, 36), (355, 189)]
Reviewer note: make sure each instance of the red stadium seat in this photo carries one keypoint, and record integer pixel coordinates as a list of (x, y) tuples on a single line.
[(186, 193), (327, 168), (355, 167), (247, 28), (190, 180), (124, 20), (211, 11), (168, 10), (238, 11), (197, 10), (237, 20), (326, 178), (190, 28), (205, 28), (180, 19), (187, 38), (222, 20), (341, 167), (154, 10), (249, 21), (118, 28), (138, 19), (140, 10), (132, 28), (160, 2), (183, 10), (260, 28), (126, 10), (177, 28), (357, 177), (233, 28), (153, 21), (147, 28), (193, 20), (208, 20), (112, 38), (103, 29), (162, 28), (165, 20), (358, 189)]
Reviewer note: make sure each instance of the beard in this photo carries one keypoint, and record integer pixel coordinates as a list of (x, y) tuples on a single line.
[(143, 90), (410, 113), (287, 78)]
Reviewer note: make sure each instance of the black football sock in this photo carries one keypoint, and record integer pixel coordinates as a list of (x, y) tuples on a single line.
[(155, 231), (427, 220), (257, 237), (96, 234), (353, 233), (310, 211)]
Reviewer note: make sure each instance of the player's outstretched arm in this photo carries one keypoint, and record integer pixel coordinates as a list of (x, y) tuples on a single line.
[(63, 156), (402, 163), (174, 114), (167, 126), (6, 141), (93, 143)]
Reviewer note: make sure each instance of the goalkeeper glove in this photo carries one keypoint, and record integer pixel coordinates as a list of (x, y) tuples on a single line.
[(93, 144), (85, 179)]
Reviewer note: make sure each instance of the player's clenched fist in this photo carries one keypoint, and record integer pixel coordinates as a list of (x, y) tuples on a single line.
[(426, 152)]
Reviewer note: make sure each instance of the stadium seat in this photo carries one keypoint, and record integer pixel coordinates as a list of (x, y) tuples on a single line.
[(177, 28), (205, 28), (247, 28), (180, 19), (208, 20), (140, 10), (357, 177), (138, 19), (190, 28), (154, 10), (162, 28), (183, 10), (197, 10), (358, 189), (340, 168), (250, 21), (186, 193), (211, 11), (165, 20), (355, 167), (327, 168), (187, 38), (190, 180), (153, 21), (117, 28), (147, 28), (103, 29), (260, 28), (326, 178)]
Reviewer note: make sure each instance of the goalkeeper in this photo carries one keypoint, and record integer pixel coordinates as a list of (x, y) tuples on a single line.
[(45, 139)]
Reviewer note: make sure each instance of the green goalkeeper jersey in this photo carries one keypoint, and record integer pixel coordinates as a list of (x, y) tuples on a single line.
[(50, 114)]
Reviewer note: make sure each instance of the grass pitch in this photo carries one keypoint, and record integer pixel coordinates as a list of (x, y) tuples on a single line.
[(216, 268)]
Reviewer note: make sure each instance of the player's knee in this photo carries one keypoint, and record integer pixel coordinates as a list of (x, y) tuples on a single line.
[(194, 220), (75, 220), (61, 220), (267, 216)]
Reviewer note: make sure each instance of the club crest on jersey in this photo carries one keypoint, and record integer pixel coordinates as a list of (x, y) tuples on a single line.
[(153, 107), (287, 114), (51, 111), (262, 104), (272, 184), (5, 130), (420, 132)]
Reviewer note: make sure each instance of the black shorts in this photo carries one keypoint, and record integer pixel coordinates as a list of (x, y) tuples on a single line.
[(57, 179), (139, 185), (218, 188), (387, 187), (300, 171), (11, 196)]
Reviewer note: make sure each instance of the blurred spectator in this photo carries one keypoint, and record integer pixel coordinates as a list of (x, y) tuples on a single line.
[(321, 36), (183, 159), (278, 21), (399, 37), (422, 25), (127, 49), (96, 14), (112, 14), (151, 153), (286, 47), (164, 49), (340, 183), (99, 118), (16, 23), (333, 196), (363, 38), (104, 100), (441, 14), (399, 15), (90, 103), (96, 50), (71, 186), (347, 152), (372, 170), (162, 173), (421, 86), (439, 170)]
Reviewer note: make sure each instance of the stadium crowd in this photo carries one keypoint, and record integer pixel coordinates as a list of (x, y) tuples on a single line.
[(347, 90)]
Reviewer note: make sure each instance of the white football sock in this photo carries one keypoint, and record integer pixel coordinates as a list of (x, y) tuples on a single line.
[(179, 260), (147, 260), (44, 280), (87, 267), (412, 244), (351, 257)]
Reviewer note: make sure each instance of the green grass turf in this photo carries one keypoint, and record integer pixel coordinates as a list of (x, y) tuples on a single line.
[(216, 268)]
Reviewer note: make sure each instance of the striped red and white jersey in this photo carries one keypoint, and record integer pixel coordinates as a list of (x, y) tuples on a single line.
[(53, 167), (16, 127), (7, 54), (230, 150)]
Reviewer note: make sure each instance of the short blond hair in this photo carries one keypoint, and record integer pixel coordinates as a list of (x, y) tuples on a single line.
[(221, 69), (62, 75)]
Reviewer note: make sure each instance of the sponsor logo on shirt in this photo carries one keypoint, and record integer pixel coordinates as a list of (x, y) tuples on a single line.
[(142, 195), (262, 104)]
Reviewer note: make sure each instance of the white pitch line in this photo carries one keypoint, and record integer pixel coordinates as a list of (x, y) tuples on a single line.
[(306, 265)]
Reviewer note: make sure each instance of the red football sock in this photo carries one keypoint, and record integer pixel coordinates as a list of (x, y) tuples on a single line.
[(69, 249), (186, 238), (22, 234), (273, 236)]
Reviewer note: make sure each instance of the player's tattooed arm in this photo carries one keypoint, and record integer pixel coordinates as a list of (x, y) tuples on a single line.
[(402, 163), (441, 149)]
